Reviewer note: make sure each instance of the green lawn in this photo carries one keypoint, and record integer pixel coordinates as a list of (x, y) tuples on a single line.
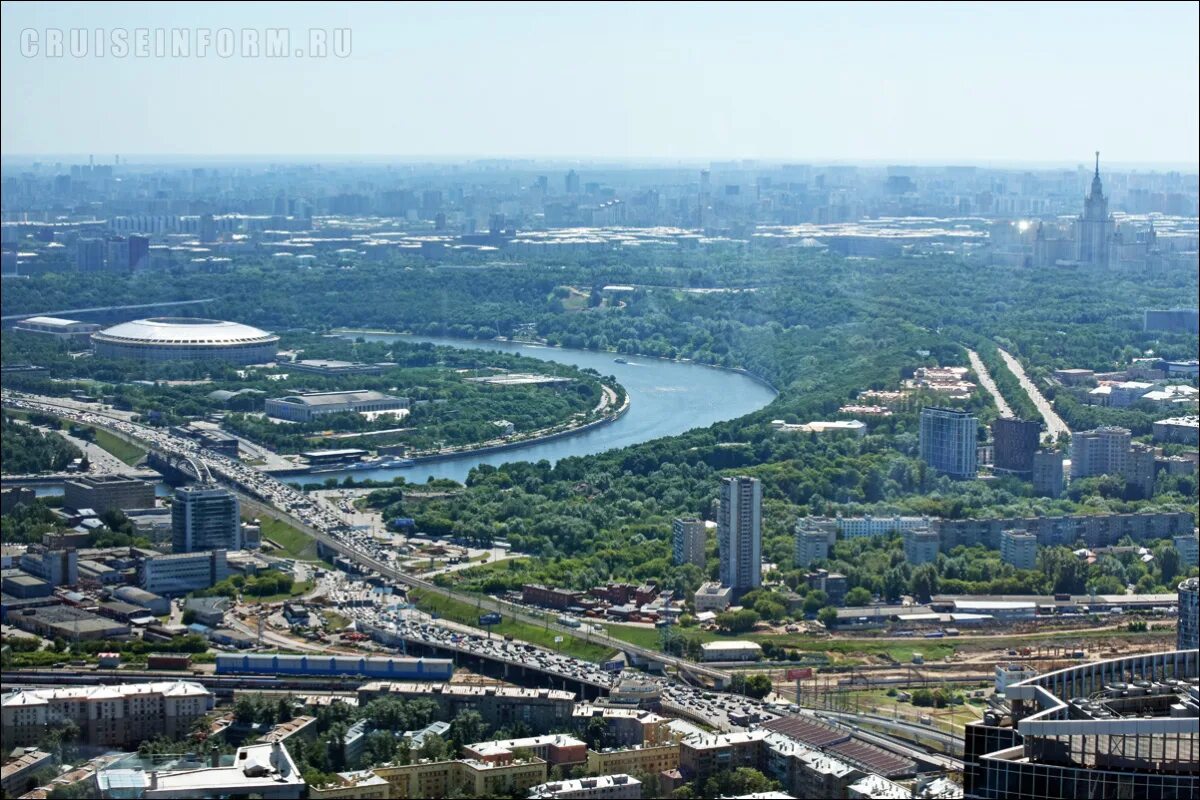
[(298, 588), (294, 542), (129, 453), (841, 652), (468, 614)]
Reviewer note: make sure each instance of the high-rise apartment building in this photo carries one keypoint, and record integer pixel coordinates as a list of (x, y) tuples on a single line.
[(1103, 451), (739, 533), (1188, 633), (812, 544), (205, 517), (1019, 548), (89, 255), (687, 540), (1015, 442), (948, 441), (1048, 473), (921, 546)]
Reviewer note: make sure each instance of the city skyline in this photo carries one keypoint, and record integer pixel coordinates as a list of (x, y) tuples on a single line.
[(912, 83)]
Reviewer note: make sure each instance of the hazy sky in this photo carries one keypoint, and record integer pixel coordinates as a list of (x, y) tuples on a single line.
[(985, 83)]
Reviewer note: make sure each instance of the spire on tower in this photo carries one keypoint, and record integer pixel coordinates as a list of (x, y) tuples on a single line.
[(1097, 163)]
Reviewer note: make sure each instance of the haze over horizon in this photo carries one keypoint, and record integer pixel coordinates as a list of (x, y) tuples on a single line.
[(991, 85)]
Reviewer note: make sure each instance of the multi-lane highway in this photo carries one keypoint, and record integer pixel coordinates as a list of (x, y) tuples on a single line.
[(316, 519)]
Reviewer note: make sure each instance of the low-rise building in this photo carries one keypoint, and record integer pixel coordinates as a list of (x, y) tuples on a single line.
[(17, 773), (712, 596), (311, 405), (730, 651), (333, 367), (499, 706), (118, 715), (609, 787), (103, 493), (180, 573), (623, 727), (555, 749), (463, 778), (69, 623), (266, 771), (1178, 429), (362, 785), (877, 787), (155, 604), (59, 328), (1008, 674), (643, 760)]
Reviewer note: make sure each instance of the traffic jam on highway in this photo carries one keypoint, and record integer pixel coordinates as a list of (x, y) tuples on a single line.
[(391, 624)]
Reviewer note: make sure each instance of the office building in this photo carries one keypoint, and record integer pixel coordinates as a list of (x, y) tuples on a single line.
[(1048, 473), (311, 405), (921, 546), (115, 716), (948, 441), (739, 534), (499, 706), (1103, 451), (812, 544), (103, 493), (1188, 633), (205, 517), (1014, 443), (1019, 548), (571, 184), (180, 573), (687, 539), (601, 787), (1080, 732)]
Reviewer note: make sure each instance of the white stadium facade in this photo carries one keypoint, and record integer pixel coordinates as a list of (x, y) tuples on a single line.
[(186, 339)]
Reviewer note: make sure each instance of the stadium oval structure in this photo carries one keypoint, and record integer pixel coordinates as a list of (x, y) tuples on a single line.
[(186, 339)]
